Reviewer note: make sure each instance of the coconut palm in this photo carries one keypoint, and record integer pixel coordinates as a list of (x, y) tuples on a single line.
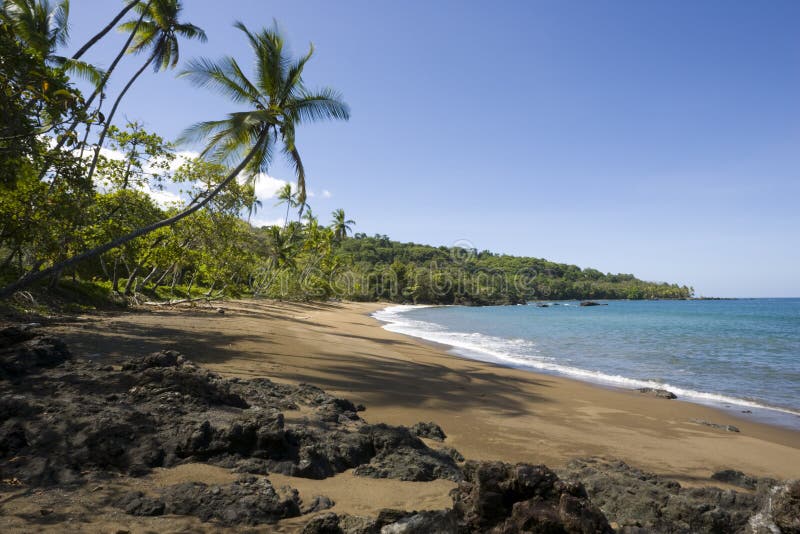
[(155, 31), (43, 27), (341, 224), (280, 102), (286, 196)]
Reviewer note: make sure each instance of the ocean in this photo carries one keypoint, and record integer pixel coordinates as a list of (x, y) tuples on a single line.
[(738, 355)]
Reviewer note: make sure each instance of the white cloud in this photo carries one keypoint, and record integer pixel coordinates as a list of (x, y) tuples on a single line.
[(326, 194), (258, 222), (181, 157), (163, 198), (267, 186)]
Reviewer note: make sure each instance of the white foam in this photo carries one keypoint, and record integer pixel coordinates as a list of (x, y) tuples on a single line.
[(523, 354)]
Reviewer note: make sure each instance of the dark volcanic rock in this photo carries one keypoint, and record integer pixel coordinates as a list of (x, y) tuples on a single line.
[(323, 524), (786, 507), (593, 303), (736, 478), (660, 393), (429, 430), (728, 428), (137, 503), (22, 352), (402, 455), (162, 410), (388, 521), (316, 504), (635, 499), (248, 501), (502, 498)]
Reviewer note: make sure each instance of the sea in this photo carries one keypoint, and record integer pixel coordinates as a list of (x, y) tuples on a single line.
[(739, 355)]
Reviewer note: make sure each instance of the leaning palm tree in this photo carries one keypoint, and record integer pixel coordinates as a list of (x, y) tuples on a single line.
[(341, 224), (280, 102), (156, 31), (108, 27)]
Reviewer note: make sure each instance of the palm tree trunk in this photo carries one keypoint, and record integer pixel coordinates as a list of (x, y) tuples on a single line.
[(97, 91), (197, 203), (91, 42), (110, 117)]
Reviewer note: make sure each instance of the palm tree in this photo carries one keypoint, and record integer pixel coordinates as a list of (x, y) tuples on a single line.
[(280, 102), (341, 224), (156, 30), (286, 196), (43, 26)]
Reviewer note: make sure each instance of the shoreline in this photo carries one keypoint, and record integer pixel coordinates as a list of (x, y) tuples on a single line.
[(488, 411), (741, 408)]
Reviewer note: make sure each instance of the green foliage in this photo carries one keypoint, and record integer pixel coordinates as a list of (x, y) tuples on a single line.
[(381, 269)]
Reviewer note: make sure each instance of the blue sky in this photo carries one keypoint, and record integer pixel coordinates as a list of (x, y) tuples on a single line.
[(658, 138)]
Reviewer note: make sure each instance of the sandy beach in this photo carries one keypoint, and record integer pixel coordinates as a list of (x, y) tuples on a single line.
[(487, 411)]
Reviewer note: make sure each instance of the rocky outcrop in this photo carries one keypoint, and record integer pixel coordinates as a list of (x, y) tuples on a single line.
[(402, 455), (502, 498), (785, 507), (429, 430), (656, 392), (638, 500), (248, 501), (387, 522), (23, 352), (162, 410), (727, 428), (593, 303)]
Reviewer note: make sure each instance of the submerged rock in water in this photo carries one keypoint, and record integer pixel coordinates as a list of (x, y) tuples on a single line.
[(660, 393), (593, 303)]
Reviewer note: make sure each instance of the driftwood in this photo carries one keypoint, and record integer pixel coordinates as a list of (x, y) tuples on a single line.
[(183, 301)]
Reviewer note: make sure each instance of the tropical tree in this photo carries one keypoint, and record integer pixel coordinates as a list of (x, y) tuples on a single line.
[(43, 26), (280, 102), (286, 196), (341, 224), (156, 31)]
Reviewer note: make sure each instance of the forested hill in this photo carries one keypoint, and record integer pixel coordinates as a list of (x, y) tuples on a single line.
[(407, 272)]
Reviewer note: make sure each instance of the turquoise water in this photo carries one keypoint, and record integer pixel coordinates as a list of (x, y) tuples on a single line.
[(741, 355)]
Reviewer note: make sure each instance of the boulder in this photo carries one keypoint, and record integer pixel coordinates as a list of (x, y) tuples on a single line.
[(635, 499), (786, 507), (429, 431), (660, 393), (503, 498)]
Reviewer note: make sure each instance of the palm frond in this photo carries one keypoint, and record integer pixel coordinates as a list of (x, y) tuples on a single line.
[(81, 69), (225, 77), (324, 104)]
